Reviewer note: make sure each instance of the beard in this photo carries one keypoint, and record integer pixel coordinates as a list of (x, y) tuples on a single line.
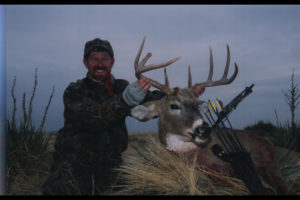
[(100, 73)]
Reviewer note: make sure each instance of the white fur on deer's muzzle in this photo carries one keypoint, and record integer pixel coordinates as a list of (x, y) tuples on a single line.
[(178, 143), (185, 142), (196, 124)]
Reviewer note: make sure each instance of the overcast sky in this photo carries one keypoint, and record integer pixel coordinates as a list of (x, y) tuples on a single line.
[(264, 41)]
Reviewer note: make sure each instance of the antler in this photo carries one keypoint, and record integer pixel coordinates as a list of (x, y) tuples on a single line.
[(141, 68), (224, 80)]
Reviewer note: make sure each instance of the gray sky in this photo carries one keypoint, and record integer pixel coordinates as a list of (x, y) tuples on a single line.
[(264, 41)]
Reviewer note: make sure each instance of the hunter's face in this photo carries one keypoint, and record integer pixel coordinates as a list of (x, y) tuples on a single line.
[(99, 65)]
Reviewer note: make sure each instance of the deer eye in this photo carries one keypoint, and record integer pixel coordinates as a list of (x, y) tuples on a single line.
[(174, 107)]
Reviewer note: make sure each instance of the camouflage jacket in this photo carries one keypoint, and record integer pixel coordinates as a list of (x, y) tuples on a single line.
[(94, 120), (94, 126)]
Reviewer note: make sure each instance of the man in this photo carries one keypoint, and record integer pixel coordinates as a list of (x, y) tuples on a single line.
[(94, 135)]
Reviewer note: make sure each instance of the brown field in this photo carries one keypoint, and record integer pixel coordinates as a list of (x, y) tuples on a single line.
[(149, 169)]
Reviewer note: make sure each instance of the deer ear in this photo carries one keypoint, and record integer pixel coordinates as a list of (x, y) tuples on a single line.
[(145, 111)]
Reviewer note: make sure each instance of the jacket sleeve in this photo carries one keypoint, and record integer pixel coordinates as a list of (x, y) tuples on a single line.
[(87, 114)]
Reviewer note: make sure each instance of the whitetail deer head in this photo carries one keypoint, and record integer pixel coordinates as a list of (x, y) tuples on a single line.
[(181, 124)]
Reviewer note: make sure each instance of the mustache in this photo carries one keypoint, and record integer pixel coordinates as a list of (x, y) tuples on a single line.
[(100, 68)]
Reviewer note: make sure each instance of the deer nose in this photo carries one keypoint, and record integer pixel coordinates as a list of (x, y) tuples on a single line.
[(203, 130)]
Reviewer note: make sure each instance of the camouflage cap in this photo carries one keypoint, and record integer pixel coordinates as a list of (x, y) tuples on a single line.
[(98, 45)]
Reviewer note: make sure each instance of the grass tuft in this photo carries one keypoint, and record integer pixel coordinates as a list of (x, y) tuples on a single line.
[(153, 170), (27, 149)]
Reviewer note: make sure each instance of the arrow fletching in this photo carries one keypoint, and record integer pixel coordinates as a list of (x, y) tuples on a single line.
[(212, 106), (220, 104)]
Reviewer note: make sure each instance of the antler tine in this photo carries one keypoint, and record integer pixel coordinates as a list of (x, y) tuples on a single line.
[(141, 68), (224, 80), (227, 62), (136, 62), (211, 66), (166, 78), (190, 78), (236, 71)]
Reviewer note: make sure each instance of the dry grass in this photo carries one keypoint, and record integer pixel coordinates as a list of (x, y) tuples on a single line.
[(27, 180), (26, 176), (152, 170), (148, 169), (289, 164)]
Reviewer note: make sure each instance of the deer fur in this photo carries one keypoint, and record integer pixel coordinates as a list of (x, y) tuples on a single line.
[(182, 128)]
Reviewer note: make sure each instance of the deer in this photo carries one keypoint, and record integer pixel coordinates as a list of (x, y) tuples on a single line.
[(182, 128)]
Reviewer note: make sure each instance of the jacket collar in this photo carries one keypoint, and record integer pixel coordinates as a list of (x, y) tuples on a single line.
[(94, 81)]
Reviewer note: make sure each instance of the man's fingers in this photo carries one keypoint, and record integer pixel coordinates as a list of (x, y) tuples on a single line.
[(144, 83), (147, 86)]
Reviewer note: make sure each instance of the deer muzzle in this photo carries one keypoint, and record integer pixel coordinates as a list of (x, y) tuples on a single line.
[(202, 132)]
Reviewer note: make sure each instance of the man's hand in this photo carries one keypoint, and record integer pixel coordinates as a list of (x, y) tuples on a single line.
[(135, 92), (144, 83)]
